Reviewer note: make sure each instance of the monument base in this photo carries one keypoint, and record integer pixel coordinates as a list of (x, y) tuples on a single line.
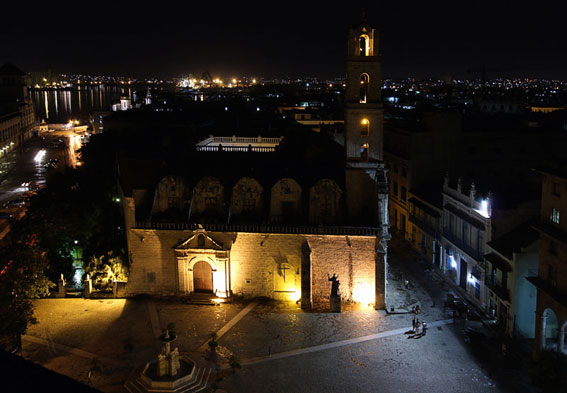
[(335, 303)]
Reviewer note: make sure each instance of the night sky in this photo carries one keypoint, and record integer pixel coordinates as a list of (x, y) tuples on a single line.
[(288, 38)]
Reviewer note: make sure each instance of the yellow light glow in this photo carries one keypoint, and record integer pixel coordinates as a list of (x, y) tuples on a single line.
[(233, 81), (364, 121), (363, 293), (253, 80)]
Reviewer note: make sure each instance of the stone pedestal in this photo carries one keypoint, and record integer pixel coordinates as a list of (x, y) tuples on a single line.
[(61, 290), (88, 286), (335, 303)]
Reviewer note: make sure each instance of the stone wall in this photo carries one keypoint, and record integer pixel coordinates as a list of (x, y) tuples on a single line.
[(325, 202), (258, 263)]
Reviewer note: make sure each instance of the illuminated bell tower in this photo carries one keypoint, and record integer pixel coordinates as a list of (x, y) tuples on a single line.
[(365, 175), (363, 124)]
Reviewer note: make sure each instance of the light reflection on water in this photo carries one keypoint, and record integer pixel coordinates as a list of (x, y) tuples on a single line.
[(60, 106)]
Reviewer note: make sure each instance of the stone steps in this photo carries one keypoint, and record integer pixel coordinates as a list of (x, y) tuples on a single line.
[(202, 299), (198, 383)]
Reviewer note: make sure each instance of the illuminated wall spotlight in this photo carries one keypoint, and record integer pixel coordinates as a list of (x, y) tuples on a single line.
[(453, 262)]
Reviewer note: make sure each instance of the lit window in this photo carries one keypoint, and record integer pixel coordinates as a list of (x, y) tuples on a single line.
[(365, 127), (364, 82), (554, 215), (364, 45)]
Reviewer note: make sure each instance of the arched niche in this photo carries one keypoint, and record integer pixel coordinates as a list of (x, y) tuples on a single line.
[(550, 333), (324, 202), (364, 45), (285, 201), (171, 198), (364, 84), (246, 198), (208, 197)]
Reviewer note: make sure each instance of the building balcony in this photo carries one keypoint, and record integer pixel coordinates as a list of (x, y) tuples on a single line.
[(497, 288), (472, 252), (425, 226)]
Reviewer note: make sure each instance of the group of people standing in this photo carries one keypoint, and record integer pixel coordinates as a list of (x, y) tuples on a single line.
[(419, 328)]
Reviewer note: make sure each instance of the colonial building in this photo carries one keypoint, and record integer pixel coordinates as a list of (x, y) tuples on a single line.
[(512, 258), (471, 223), (551, 280), (17, 117), (268, 221)]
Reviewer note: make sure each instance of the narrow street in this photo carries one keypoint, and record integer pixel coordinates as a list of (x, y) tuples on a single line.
[(429, 289)]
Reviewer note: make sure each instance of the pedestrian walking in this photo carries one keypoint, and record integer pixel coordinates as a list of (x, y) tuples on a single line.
[(417, 326), (406, 284), (423, 328), (417, 309), (413, 325)]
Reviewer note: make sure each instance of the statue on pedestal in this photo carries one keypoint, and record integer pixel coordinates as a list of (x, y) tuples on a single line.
[(335, 297)]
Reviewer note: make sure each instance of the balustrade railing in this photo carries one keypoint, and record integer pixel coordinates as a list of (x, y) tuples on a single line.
[(473, 252), (242, 149), (261, 228)]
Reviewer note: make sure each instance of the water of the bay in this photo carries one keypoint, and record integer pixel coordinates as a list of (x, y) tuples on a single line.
[(61, 106)]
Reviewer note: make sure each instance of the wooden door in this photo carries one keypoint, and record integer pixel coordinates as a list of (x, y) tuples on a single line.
[(202, 277)]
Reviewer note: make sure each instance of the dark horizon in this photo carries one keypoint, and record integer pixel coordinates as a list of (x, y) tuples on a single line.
[(302, 39)]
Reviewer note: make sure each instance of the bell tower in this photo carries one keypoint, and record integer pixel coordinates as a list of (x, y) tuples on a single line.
[(363, 127), (365, 175)]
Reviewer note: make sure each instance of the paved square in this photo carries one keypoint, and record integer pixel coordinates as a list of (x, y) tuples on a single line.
[(282, 348)]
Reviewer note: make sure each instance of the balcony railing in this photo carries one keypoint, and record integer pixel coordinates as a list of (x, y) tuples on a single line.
[(497, 288), (476, 254), (424, 225), (261, 228), (243, 149)]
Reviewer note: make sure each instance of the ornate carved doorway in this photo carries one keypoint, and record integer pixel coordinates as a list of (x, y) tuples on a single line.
[(202, 277)]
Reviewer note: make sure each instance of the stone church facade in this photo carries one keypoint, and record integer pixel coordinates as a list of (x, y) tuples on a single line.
[(278, 238)]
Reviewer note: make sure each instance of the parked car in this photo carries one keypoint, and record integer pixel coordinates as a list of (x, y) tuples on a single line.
[(7, 216), (20, 202)]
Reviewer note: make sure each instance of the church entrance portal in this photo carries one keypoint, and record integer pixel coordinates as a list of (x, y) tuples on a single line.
[(203, 277)]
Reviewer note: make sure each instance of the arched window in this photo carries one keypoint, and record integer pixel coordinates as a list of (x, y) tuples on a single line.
[(364, 82), (364, 152), (364, 45), (365, 127)]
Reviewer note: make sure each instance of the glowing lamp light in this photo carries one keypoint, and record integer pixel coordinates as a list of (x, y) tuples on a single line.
[(484, 208), (295, 296), (363, 293), (453, 262), (364, 121)]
